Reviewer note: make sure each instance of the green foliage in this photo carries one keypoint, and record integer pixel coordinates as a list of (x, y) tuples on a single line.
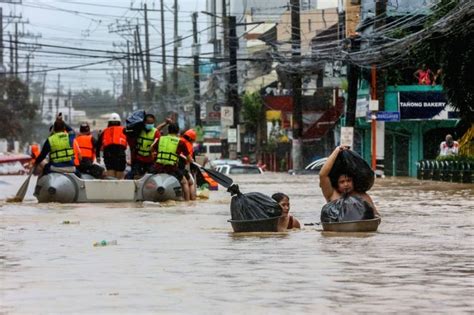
[(94, 101), (456, 158), (16, 111), (253, 111), (453, 53)]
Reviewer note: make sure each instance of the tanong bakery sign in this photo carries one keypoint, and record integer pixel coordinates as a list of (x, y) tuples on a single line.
[(424, 105)]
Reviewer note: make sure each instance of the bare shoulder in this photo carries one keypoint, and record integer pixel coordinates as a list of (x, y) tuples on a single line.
[(367, 198)]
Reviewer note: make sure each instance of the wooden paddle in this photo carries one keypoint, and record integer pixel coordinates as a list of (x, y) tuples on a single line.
[(20, 195), (217, 176)]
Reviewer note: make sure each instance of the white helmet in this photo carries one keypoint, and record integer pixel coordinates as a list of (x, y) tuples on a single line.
[(114, 117)]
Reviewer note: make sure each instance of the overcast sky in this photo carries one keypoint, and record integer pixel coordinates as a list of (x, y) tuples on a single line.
[(86, 24)]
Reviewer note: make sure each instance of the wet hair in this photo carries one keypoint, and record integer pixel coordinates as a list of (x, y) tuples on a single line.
[(334, 181), (279, 196), (173, 128), (59, 126), (150, 116), (84, 128)]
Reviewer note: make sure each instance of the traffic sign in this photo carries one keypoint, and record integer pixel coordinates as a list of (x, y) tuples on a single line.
[(388, 116)]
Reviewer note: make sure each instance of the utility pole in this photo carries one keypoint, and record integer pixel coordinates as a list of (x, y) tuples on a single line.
[(58, 92), (377, 86), (352, 80), (225, 25), (129, 77), (175, 49), (140, 51), (136, 81), (232, 92), (197, 91), (12, 63), (297, 143), (163, 50), (16, 50), (69, 105), (1, 45), (28, 73), (148, 65), (2, 67), (42, 94)]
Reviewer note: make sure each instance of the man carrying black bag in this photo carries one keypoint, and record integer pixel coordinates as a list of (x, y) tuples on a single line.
[(344, 186)]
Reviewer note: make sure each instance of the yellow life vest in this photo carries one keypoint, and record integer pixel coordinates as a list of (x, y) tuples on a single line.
[(167, 148), (144, 141), (61, 150)]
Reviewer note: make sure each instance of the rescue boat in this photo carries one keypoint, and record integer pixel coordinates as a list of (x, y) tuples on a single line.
[(68, 188)]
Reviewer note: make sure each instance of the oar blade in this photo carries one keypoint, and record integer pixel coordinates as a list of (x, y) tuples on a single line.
[(219, 177)]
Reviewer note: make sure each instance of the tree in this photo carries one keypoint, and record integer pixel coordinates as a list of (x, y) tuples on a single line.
[(450, 49), (94, 101), (253, 113), (457, 61), (16, 111)]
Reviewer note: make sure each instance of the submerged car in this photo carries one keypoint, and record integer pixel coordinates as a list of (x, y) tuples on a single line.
[(239, 169), (312, 168)]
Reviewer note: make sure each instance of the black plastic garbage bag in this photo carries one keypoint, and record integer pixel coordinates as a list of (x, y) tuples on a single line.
[(349, 208), (252, 206), (352, 164), (135, 123)]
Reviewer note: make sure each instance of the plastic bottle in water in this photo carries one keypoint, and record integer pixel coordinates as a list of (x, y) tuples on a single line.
[(105, 243), (71, 222)]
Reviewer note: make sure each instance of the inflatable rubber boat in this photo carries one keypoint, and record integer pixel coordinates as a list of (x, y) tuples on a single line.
[(68, 188)]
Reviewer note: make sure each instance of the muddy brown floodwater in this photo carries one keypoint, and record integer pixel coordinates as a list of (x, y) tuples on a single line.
[(182, 258)]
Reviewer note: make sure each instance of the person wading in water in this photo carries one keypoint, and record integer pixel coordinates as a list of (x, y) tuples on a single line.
[(344, 186)]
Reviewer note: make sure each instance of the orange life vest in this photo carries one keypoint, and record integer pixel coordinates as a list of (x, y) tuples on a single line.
[(35, 150), (189, 146), (86, 146), (114, 135)]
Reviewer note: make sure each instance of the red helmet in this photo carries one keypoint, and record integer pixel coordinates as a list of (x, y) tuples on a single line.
[(191, 134)]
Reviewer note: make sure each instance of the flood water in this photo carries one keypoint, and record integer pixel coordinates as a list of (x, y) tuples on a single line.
[(182, 258)]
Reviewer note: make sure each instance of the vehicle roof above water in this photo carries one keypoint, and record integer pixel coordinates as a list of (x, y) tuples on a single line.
[(240, 169), (226, 162)]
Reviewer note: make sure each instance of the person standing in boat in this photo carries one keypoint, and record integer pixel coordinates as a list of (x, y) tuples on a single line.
[(168, 149), (113, 142), (142, 158), (60, 148), (287, 221), (87, 145), (344, 186)]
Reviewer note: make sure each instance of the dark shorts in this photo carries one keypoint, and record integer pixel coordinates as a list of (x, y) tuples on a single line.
[(141, 168), (177, 173), (114, 158), (88, 167)]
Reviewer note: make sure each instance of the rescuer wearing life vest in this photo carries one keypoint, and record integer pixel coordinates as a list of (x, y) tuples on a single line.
[(189, 170), (143, 161), (113, 142), (168, 149), (60, 148), (87, 145)]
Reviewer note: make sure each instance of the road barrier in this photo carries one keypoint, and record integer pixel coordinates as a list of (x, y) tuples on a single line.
[(448, 171)]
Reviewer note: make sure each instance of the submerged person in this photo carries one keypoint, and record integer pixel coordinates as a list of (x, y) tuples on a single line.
[(344, 186), (184, 164), (287, 222)]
